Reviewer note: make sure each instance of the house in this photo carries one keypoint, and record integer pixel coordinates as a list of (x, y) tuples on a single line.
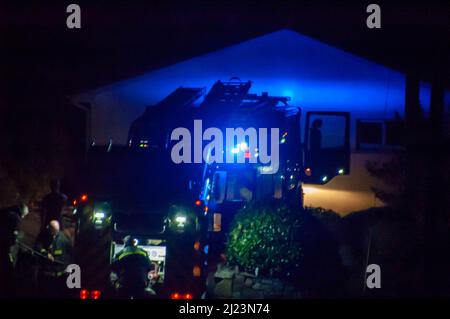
[(316, 76)]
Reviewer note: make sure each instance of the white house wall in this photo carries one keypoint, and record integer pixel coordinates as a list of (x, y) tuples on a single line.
[(315, 75)]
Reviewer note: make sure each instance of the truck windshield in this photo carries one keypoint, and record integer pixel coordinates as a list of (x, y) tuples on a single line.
[(233, 185), (240, 185), (244, 185)]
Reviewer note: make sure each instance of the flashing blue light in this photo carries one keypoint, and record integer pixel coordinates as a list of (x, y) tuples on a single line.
[(240, 147), (243, 146)]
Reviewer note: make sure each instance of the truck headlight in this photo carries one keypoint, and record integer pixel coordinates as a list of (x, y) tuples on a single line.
[(99, 215), (180, 221), (99, 218)]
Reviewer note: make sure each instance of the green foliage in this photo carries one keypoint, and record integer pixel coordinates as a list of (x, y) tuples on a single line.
[(391, 176), (262, 235), (325, 215)]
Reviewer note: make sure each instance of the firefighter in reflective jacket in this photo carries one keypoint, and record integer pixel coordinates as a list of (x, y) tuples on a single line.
[(130, 270), (56, 246)]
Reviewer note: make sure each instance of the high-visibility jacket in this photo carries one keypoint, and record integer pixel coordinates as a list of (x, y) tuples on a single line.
[(62, 251), (132, 266)]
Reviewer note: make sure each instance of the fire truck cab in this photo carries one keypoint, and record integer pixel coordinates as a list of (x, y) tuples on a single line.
[(139, 192), (226, 187)]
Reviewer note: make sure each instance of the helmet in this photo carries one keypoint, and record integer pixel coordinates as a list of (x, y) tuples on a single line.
[(130, 241)]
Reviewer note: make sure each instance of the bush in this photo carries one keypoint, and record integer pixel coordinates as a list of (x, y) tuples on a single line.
[(262, 235), (328, 218)]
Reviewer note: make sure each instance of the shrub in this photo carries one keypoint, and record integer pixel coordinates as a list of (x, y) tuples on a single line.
[(328, 218), (262, 235)]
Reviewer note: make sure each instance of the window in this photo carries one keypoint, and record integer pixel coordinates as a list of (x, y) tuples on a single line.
[(269, 185), (326, 131), (218, 186), (376, 134), (240, 185), (233, 186), (369, 134)]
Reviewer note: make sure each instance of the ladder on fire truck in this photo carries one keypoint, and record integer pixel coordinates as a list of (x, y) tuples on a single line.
[(235, 93), (228, 94)]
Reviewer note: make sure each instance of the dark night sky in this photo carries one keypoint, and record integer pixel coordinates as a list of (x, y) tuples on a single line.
[(122, 40)]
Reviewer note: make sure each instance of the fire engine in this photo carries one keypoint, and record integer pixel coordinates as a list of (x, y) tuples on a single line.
[(181, 212)]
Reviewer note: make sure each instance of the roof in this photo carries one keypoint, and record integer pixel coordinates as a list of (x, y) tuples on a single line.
[(284, 63)]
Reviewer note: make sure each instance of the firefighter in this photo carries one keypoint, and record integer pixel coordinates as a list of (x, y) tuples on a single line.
[(316, 135), (315, 145), (56, 253), (130, 271), (52, 204), (10, 219)]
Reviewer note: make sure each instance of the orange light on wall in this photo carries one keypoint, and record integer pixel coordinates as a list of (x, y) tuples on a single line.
[(196, 271), (197, 246), (217, 222)]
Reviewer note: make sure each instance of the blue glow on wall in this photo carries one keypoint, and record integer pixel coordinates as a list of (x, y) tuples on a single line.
[(315, 75)]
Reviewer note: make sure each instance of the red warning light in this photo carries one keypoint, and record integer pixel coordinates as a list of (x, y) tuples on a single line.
[(95, 294), (188, 296), (84, 198), (84, 294), (175, 296), (198, 202)]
